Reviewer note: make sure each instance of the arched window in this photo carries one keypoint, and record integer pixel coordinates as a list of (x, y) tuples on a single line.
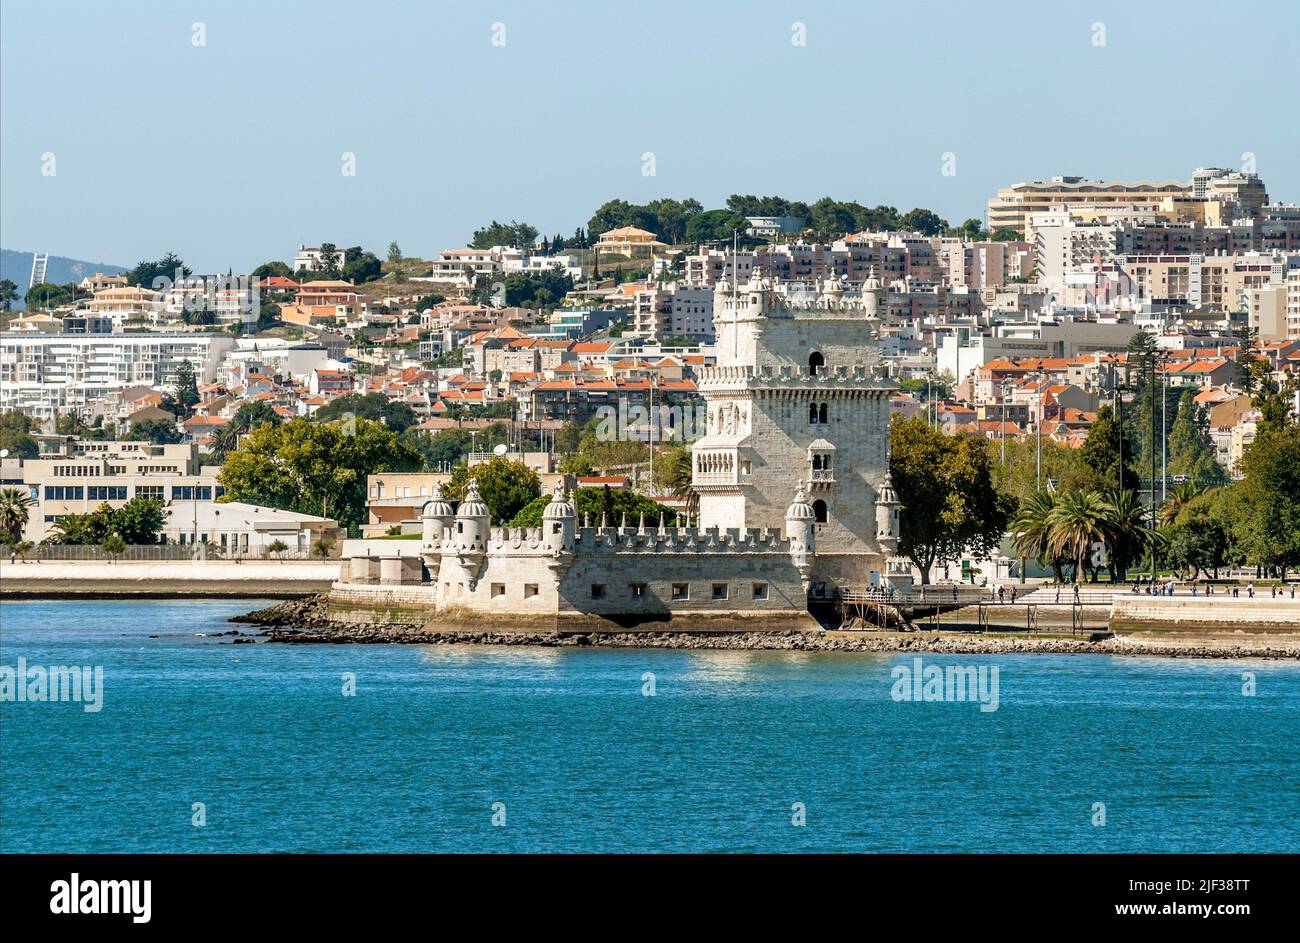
[(812, 414), (815, 362), (821, 414), (819, 511), (817, 463)]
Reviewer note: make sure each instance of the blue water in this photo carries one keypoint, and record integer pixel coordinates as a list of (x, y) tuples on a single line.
[(583, 761)]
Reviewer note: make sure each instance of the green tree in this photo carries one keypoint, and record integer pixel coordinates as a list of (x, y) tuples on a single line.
[(1126, 530), (1191, 452), (323, 546), (1196, 538), (1077, 521), (360, 267), (925, 222), (1031, 531), (313, 467), (14, 503), (43, 295), (187, 387), (507, 486), (440, 450), (273, 269), (146, 272), (139, 521), (715, 226), (16, 435), (1101, 453), (394, 253), (514, 234), (1265, 507), (113, 546), (945, 485), (8, 294), (376, 406), (157, 431), (329, 260), (277, 548), (591, 503)]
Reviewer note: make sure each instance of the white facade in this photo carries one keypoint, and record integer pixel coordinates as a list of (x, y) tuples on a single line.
[(42, 374)]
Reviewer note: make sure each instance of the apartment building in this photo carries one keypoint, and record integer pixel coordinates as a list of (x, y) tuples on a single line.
[(980, 265), (678, 310), (43, 374), (1013, 206)]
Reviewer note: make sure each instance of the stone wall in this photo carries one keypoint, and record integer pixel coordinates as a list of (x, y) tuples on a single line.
[(1258, 614), (166, 578)]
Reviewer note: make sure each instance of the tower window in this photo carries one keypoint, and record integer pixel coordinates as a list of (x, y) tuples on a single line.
[(821, 414), (812, 414), (819, 511), (815, 362)]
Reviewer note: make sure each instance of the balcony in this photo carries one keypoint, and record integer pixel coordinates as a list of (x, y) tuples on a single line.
[(716, 467)]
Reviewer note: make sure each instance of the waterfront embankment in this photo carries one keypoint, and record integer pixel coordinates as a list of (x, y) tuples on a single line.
[(62, 579), (309, 621)]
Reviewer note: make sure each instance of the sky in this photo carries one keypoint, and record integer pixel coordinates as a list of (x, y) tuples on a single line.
[(231, 151)]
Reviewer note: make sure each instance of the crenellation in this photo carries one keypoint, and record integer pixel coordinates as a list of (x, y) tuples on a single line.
[(796, 409)]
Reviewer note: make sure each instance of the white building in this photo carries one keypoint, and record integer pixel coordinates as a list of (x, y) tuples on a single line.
[(310, 259), (43, 374)]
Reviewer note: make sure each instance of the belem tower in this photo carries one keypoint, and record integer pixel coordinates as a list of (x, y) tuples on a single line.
[(794, 502)]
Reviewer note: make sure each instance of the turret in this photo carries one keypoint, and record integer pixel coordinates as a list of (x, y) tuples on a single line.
[(436, 517), (871, 292), (801, 531), (559, 521), (473, 520), (887, 530)]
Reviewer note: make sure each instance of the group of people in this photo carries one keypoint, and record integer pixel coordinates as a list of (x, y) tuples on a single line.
[(999, 593), (1205, 587), (1149, 587)]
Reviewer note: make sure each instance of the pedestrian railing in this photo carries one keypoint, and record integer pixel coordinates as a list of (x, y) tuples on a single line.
[(153, 553)]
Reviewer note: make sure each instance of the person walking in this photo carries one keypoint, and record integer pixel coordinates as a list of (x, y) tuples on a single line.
[(1076, 594), (1058, 594), (1013, 595), (1002, 594)]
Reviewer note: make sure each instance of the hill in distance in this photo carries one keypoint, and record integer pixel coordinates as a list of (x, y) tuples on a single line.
[(17, 267)]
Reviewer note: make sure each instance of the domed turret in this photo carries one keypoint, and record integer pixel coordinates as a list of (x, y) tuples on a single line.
[(559, 520), (436, 517), (799, 509), (472, 522), (871, 292), (800, 530)]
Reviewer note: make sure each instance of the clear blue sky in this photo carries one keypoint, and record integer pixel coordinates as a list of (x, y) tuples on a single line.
[(230, 154)]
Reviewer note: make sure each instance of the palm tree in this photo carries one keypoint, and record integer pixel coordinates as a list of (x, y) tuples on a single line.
[(22, 548), (1128, 531), (277, 548), (678, 479), (1031, 531), (1182, 495), (323, 547), (1077, 521), (14, 503)]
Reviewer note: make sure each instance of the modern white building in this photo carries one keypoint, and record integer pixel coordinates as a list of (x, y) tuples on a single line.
[(43, 374)]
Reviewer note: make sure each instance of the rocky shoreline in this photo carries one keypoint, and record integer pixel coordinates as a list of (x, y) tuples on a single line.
[(307, 621)]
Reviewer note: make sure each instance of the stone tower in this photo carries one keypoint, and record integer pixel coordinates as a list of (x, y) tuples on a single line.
[(797, 399)]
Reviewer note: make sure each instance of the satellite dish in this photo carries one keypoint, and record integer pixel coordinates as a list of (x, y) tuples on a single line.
[(500, 449)]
